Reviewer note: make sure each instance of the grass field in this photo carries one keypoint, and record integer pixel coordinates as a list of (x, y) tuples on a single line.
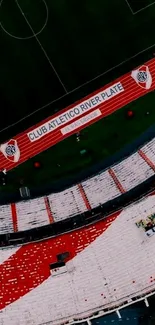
[(55, 52), (78, 41)]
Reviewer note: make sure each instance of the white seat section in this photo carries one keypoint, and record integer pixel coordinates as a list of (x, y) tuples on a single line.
[(66, 203), (31, 214), (132, 171), (100, 189), (6, 224), (79, 202), (113, 268), (7, 252), (149, 150)]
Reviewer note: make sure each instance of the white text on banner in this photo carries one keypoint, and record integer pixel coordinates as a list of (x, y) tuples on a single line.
[(82, 121), (75, 112)]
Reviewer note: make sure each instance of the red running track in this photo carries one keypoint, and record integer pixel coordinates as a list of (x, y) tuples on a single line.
[(132, 91)]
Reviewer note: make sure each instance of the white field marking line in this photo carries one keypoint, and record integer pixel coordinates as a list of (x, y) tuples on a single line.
[(129, 6), (84, 84), (28, 37), (151, 4), (47, 57)]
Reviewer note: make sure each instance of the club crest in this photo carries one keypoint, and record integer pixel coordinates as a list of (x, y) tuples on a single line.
[(11, 150), (143, 77)]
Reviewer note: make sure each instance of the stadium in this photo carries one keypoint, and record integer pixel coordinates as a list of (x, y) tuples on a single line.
[(77, 162)]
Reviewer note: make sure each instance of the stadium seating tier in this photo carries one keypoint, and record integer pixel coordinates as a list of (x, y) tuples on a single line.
[(80, 198), (109, 264)]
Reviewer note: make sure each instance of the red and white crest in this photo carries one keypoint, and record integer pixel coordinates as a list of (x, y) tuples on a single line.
[(143, 77), (10, 150)]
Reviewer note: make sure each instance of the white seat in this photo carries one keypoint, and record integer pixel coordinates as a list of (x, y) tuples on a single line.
[(6, 224), (32, 214), (100, 189), (67, 203), (132, 171), (149, 150)]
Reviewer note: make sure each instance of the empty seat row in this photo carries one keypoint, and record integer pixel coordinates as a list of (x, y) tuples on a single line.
[(77, 199), (67, 203)]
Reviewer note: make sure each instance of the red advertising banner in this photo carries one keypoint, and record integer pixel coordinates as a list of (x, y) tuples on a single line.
[(78, 116)]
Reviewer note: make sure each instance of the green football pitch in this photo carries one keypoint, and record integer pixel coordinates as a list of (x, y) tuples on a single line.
[(55, 52), (53, 49)]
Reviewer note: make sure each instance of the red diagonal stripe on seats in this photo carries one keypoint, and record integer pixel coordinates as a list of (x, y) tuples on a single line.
[(148, 161), (115, 179), (48, 209), (29, 266), (14, 217), (84, 196)]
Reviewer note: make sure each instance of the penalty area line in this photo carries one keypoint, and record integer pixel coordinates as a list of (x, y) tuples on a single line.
[(128, 4), (151, 4), (42, 48)]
